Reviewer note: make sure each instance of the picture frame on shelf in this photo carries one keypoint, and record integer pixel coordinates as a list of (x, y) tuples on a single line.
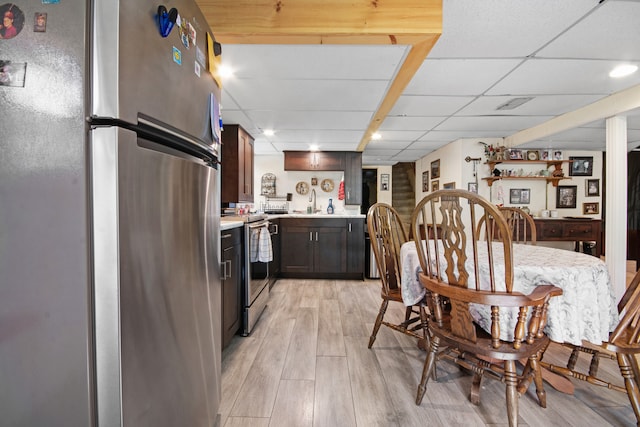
[(533, 155), (545, 155), (581, 166), (592, 187), (435, 169), (591, 208), (557, 155), (515, 154), (520, 196), (566, 196), (425, 181)]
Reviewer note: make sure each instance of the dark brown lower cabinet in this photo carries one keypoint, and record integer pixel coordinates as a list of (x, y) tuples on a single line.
[(231, 255), (319, 248)]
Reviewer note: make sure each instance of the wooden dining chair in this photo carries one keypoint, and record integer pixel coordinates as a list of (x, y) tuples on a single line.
[(520, 224), (387, 234), (475, 275), (623, 345)]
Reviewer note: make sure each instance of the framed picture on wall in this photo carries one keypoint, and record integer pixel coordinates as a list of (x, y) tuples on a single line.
[(473, 187), (384, 182), (448, 185), (592, 187), (435, 169), (591, 208), (581, 166), (425, 181), (520, 196), (566, 196)]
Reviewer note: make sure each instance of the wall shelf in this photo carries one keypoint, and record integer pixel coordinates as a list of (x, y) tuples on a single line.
[(557, 166)]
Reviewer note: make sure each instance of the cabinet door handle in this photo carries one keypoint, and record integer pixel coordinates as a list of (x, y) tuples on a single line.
[(228, 273), (348, 194), (349, 227), (316, 236), (311, 236), (225, 236)]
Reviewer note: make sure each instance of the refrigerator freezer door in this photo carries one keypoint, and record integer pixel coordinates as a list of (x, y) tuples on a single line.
[(136, 70), (157, 285)]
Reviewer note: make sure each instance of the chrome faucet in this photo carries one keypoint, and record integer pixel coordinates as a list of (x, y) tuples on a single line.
[(312, 197)]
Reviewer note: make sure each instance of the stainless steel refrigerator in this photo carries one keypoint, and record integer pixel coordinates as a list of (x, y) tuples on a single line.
[(109, 217)]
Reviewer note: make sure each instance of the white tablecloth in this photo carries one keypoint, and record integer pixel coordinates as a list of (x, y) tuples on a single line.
[(586, 310)]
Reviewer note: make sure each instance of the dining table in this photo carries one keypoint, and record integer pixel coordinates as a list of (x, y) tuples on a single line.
[(586, 310)]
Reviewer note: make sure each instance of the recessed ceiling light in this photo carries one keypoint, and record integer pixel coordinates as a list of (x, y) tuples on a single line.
[(623, 70), (225, 71), (313, 147), (376, 136), (268, 132)]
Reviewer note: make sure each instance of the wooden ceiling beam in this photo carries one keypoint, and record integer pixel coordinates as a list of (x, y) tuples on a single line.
[(322, 21)]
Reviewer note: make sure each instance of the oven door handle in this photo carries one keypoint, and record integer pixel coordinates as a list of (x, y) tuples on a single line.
[(259, 224)]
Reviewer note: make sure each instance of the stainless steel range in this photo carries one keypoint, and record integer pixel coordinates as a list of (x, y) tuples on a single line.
[(255, 289)]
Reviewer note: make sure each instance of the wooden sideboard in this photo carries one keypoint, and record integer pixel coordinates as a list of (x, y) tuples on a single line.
[(570, 230)]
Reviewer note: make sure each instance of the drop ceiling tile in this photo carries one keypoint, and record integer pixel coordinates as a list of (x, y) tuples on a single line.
[(414, 105), (380, 152), (309, 95), (453, 135), (409, 123), (428, 145), (503, 28), (578, 134), (318, 136), (306, 146), (593, 36), (505, 124), (539, 105), (388, 144), (304, 62), (400, 135), (410, 155), (452, 77), (562, 76), (313, 120)]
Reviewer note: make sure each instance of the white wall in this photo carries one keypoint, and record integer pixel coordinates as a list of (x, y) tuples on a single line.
[(453, 168)]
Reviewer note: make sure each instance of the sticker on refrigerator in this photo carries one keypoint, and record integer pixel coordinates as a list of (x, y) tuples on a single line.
[(200, 57), (177, 56), (196, 68), (12, 21), (50, 1), (39, 22), (12, 73)]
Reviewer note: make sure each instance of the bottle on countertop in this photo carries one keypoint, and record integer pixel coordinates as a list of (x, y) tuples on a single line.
[(330, 207)]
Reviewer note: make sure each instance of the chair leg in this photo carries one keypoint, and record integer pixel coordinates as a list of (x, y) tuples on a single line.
[(429, 366), (537, 379), (511, 380), (625, 363), (376, 326)]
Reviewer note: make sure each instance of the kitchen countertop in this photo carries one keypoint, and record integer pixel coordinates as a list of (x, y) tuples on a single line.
[(229, 224), (317, 216)]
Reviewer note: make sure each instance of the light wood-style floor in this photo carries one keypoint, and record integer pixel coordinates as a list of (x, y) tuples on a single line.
[(307, 364)]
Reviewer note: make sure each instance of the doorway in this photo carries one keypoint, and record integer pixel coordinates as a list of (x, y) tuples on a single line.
[(633, 206), (369, 189)]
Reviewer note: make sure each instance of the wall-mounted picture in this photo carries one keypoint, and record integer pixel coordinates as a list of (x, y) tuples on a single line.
[(425, 181), (515, 154), (592, 187), (314, 181), (520, 196), (473, 187), (435, 186), (590, 208), (384, 182), (449, 186), (566, 196), (581, 166), (435, 169)]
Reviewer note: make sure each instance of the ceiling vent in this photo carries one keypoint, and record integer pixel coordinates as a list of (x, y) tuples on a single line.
[(514, 103)]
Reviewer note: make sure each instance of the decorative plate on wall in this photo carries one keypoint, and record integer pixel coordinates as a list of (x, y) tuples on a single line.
[(327, 185), (302, 188)]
